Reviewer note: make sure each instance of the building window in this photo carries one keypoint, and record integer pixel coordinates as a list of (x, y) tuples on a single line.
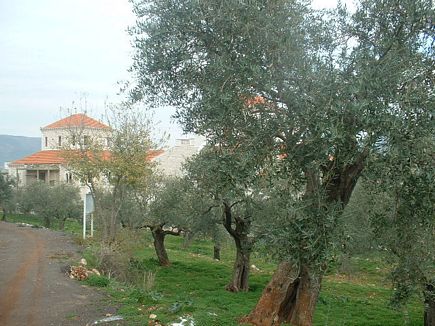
[(73, 140), (68, 177), (46, 141), (60, 141), (86, 140)]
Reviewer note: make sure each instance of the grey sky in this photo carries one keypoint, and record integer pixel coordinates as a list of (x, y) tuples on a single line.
[(54, 52)]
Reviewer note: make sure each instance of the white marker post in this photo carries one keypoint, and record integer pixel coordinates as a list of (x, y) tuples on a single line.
[(84, 218), (88, 208)]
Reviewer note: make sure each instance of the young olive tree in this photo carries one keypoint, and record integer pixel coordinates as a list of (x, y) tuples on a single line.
[(52, 203), (209, 225), (170, 212), (226, 179), (404, 222), (278, 79)]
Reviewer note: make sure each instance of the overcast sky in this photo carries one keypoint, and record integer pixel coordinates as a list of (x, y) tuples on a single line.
[(56, 52)]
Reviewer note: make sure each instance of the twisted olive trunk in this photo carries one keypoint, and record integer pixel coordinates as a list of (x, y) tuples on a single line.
[(159, 245), (4, 214), (47, 222), (292, 298), (429, 305), (240, 278), (159, 235), (295, 291), (217, 252)]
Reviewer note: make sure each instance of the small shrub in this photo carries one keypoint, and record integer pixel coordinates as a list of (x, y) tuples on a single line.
[(142, 297), (91, 259), (98, 281)]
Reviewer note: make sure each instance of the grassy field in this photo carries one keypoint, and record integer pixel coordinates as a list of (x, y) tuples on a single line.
[(71, 226), (194, 287)]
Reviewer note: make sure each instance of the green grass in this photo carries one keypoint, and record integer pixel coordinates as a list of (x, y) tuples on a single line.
[(194, 285), (71, 225), (97, 280)]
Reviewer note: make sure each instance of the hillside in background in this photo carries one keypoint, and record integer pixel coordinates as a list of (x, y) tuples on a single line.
[(15, 147)]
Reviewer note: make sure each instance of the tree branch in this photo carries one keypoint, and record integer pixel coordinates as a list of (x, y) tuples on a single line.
[(227, 221)]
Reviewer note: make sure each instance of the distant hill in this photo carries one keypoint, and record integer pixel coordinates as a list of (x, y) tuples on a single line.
[(15, 147)]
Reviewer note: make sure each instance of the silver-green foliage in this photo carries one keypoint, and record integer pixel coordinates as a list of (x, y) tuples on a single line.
[(320, 90), (57, 202)]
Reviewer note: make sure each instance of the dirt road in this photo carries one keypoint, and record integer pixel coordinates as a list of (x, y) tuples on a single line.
[(33, 290)]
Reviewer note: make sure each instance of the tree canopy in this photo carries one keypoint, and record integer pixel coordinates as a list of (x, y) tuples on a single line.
[(322, 91)]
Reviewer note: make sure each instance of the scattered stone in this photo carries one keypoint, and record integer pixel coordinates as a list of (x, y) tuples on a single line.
[(255, 268), (185, 321), (153, 316), (81, 272), (78, 272), (107, 320), (96, 272), (22, 225)]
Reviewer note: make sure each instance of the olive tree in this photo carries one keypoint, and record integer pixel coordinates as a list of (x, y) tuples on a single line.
[(278, 79), (403, 215), (170, 211), (52, 203), (227, 179), (6, 193)]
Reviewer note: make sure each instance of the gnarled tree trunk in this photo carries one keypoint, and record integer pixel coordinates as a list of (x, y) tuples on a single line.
[(290, 297), (240, 279), (47, 222), (429, 305), (159, 245), (4, 214), (62, 223), (188, 239), (216, 252)]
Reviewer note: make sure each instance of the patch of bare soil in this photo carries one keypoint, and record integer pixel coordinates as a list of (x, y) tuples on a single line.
[(33, 289)]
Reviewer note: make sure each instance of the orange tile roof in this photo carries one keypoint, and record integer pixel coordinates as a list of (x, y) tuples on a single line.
[(77, 120), (41, 157), (153, 154), (255, 100), (58, 157)]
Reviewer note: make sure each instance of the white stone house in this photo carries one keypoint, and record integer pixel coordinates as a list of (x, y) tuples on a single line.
[(170, 162), (48, 165)]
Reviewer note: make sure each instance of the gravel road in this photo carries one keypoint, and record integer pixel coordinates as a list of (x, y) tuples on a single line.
[(33, 289)]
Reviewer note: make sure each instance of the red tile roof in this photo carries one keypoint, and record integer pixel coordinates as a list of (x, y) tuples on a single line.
[(42, 157), (77, 120), (153, 154), (58, 157), (255, 100)]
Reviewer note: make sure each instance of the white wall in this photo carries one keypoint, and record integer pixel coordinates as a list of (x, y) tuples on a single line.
[(51, 136), (171, 161)]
